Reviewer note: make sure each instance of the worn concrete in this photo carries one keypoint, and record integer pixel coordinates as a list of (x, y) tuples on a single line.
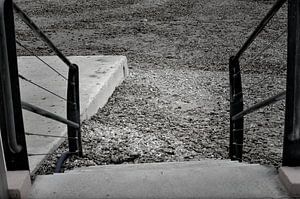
[(99, 76), (162, 165), (19, 184), (165, 180), (3, 175), (290, 177)]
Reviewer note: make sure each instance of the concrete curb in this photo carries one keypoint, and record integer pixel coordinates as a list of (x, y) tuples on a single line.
[(19, 184), (290, 178)]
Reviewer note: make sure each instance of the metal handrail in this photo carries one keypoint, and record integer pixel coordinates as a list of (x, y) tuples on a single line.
[(40, 34), (269, 101), (39, 111), (260, 27), (237, 111), (6, 88), (10, 99), (73, 104)]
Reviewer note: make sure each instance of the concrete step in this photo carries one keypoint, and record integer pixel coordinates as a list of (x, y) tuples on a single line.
[(162, 165), (163, 180)]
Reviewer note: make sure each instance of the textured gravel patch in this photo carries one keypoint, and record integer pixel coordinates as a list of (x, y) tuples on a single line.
[(150, 33), (151, 118)]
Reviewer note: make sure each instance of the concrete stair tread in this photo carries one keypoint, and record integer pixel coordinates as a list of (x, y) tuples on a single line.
[(146, 181), (162, 165)]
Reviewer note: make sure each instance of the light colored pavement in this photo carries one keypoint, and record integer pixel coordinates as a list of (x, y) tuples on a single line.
[(201, 179), (99, 76)]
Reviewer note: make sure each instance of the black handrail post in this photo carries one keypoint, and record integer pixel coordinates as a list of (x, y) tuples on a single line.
[(15, 160), (236, 106), (291, 145), (73, 110)]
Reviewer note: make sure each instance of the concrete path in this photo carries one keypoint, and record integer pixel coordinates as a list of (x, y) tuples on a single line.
[(99, 76), (201, 179)]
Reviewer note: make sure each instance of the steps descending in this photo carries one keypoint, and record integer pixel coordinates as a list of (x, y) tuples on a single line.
[(196, 179)]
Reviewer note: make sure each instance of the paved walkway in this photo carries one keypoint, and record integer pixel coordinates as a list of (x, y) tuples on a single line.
[(99, 75)]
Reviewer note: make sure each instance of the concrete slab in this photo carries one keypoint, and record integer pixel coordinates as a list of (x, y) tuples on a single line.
[(167, 181), (99, 76), (19, 184), (290, 177)]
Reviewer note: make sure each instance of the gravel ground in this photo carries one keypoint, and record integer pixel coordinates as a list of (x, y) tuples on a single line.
[(174, 105)]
